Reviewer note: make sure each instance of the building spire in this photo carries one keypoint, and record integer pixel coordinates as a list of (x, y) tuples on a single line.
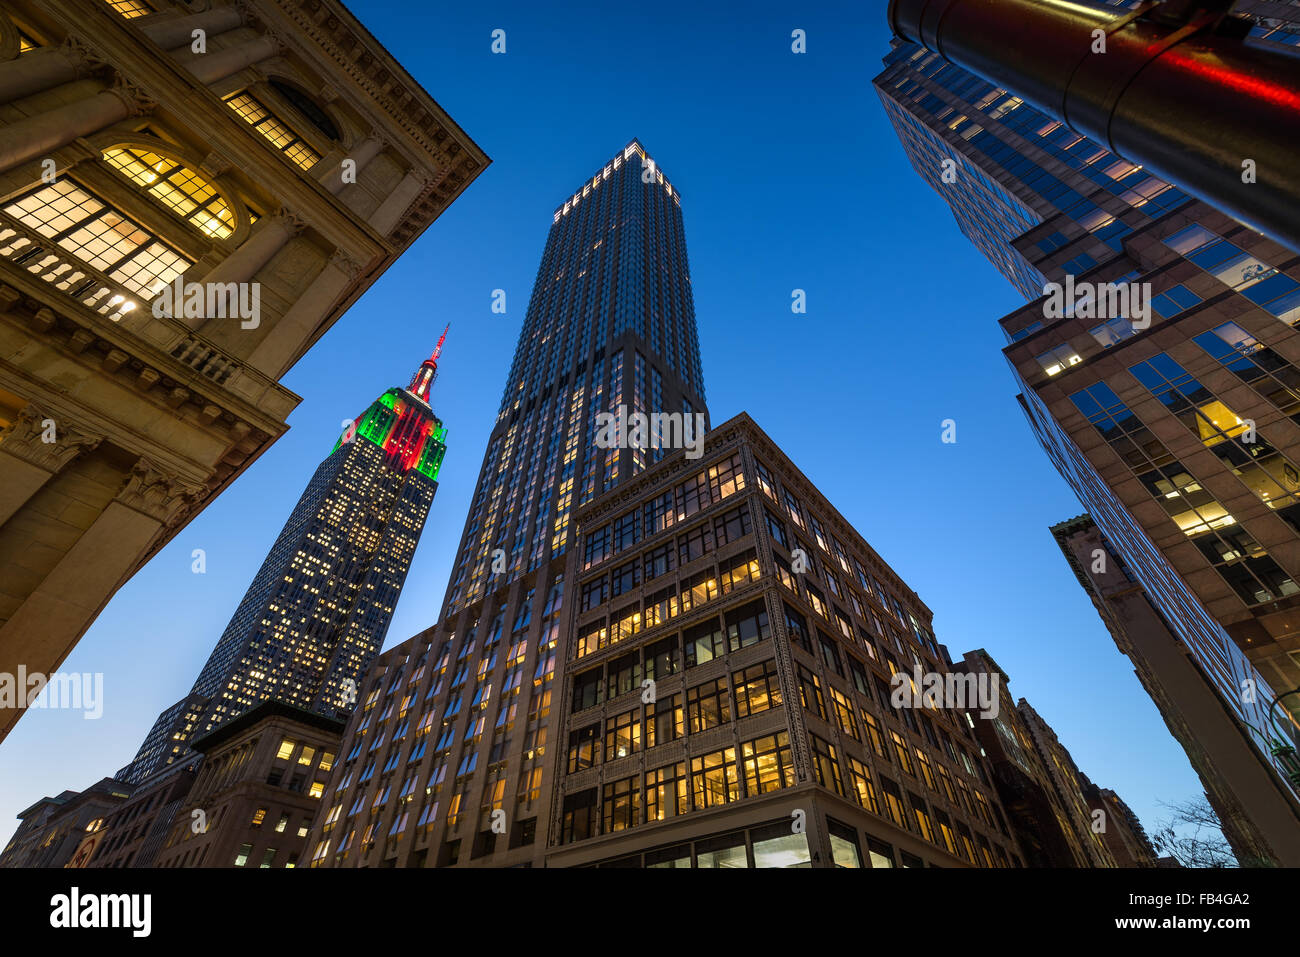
[(428, 371)]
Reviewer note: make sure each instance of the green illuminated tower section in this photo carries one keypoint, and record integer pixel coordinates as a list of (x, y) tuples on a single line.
[(319, 607)]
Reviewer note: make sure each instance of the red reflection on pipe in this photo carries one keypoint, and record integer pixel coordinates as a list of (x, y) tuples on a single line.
[(1282, 97)]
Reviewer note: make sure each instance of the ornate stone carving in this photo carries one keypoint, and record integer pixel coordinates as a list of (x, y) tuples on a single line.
[(159, 495), (84, 58), (290, 220), (346, 263), (135, 98), (24, 439)]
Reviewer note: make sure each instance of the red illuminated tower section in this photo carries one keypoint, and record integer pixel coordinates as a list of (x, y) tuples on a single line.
[(318, 609)]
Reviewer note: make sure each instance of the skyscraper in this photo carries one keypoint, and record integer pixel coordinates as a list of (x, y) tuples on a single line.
[(317, 611), (1141, 408), (611, 322), (479, 741)]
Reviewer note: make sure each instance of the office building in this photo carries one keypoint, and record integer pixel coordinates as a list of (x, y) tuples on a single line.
[(66, 829), (257, 791), (1163, 386), (720, 680), (1258, 813)]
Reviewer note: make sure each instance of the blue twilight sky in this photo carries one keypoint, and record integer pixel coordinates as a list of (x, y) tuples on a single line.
[(791, 177)]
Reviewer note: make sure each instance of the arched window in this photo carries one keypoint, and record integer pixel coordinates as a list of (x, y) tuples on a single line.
[(179, 188), (305, 105)]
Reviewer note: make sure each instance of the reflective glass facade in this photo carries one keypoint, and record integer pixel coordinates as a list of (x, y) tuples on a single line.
[(1174, 428)]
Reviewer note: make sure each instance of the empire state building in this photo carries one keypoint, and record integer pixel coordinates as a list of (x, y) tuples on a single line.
[(317, 611)]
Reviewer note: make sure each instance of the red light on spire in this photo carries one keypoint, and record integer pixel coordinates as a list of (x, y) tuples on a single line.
[(428, 371)]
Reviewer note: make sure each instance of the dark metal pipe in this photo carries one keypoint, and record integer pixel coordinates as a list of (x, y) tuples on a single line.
[(1190, 104)]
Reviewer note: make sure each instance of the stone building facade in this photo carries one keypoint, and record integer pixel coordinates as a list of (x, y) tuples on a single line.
[(269, 154)]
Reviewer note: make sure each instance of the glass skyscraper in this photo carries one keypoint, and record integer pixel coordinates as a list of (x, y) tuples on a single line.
[(1145, 420), (318, 609)]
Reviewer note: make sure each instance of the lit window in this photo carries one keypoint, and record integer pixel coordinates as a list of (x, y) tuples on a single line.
[(183, 191), (253, 112), (131, 9), (99, 236), (1055, 360), (286, 749)]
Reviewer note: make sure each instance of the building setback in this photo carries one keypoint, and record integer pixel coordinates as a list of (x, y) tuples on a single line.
[(1173, 424), (1259, 815), (318, 609), (257, 791), (292, 161)]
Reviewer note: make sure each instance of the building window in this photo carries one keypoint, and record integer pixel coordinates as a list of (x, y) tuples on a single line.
[(810, 693), (776, 846), (704, 642), (880, 853), (179, 188), (130, 9), (757, 689), (100, 236), (578, 820), (727, 850), (622, 734), (665, 721), (740, 570), (708, 705), (622, 805), (665, 790), (713, 779), (826, 765), (768, 764), (277, 133), (241, 858), (307, 107), (582, 748), (747, 625), (845, 851)]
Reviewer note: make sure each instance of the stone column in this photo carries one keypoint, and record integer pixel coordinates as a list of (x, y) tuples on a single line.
[(27, 462), (47, 625), (268, 238), (174, 33), (40, 135), (42, 69), (361, 154), (390, 211), (283, 344), (211, 67)]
